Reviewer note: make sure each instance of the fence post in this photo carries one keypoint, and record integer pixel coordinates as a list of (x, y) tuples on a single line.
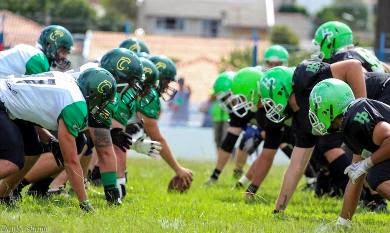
[(255, 39), (382, 46)]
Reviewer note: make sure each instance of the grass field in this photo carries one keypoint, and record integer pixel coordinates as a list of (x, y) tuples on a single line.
[(149, 208)]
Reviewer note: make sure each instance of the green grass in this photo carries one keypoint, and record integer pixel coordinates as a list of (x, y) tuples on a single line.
[(149, 208)]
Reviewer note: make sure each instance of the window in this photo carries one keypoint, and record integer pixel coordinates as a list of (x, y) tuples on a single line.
[(170, 24), (211, 28)]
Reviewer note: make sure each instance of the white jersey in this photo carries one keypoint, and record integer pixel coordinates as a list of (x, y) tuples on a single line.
[(22, 59), (42, 99)]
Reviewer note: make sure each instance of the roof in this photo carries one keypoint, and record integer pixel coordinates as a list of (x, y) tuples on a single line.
[(18, 29), (243, 13), (197, 59)]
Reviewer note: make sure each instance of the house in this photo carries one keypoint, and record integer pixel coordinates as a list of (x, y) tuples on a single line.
[(18, 29), (197, 59), (203, 18)]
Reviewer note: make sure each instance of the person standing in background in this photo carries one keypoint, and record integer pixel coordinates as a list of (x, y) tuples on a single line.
[(180, 105)]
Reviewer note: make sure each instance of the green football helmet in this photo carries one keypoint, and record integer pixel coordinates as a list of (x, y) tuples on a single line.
[(221, 88), (328, 100), (275, 55), (331, 37), (245, 91), (151, 81), (275, 90), (126, 68), (167, 76), (98, 87), (56, 42), (135, 45)]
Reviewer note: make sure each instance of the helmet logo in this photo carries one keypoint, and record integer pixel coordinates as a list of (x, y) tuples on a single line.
[(326, 34), (134, 48), (313, 67), (161, 65), (56, 34), (104, 85), (148, 70), (122, 63), (268, 83), (317, 99)]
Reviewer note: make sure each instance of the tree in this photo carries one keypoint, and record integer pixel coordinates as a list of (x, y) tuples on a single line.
[(283, 35), (352, 12), (237, 59), (76, 15)]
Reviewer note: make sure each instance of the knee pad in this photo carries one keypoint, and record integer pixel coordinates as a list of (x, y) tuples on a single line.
[(229, 142)]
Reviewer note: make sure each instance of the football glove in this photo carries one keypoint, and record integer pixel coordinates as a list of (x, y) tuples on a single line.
[(146, 146), (121, 139), (86, 206), (357, 169), (136, 130)]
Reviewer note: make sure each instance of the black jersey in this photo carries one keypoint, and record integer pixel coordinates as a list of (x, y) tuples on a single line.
[(369, 61), (359, 122), (377, 86), (275, 133), (306, 76)]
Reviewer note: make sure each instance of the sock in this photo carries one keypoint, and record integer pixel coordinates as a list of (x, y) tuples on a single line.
[(287, 150), (310, 172), (110, 187), (215, 174), (244, 180), (252, 188), (121, 182)]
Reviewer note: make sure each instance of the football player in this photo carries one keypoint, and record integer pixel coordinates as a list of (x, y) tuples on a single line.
[(333, 108), (53, 46), (292, 101), (55, 101)]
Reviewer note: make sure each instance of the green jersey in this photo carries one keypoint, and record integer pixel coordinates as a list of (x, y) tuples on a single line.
[(152, 110), (217, 113), (23, 60)]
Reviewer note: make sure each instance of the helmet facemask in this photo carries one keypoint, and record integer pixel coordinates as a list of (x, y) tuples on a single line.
[(240, 106), (97, 107), (168, 89), (274, 111), (223, 100)]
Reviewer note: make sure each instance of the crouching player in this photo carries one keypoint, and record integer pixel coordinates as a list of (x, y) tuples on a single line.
[(365, 124), (55, 101)]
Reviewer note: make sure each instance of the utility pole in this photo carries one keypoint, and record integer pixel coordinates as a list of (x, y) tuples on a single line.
[(382, 28)]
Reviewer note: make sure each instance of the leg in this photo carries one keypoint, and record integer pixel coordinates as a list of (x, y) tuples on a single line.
[(7, 168), (10, 182)]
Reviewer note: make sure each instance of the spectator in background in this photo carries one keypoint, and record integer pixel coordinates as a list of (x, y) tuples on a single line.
[(180, 105), (206, 109)]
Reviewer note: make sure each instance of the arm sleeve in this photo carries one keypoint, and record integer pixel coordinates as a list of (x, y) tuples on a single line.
[(75, 117), (37, 64)]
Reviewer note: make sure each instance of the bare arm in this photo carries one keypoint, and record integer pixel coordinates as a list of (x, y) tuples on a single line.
[(152, 129), (351, 72), (381, 137), (352, 194), (299, 160), (72, 164)]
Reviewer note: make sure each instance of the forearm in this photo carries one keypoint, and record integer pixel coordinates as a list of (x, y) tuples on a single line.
[(299, 160), (76, 179), (351, 198), (383, 153), (167, 154)]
